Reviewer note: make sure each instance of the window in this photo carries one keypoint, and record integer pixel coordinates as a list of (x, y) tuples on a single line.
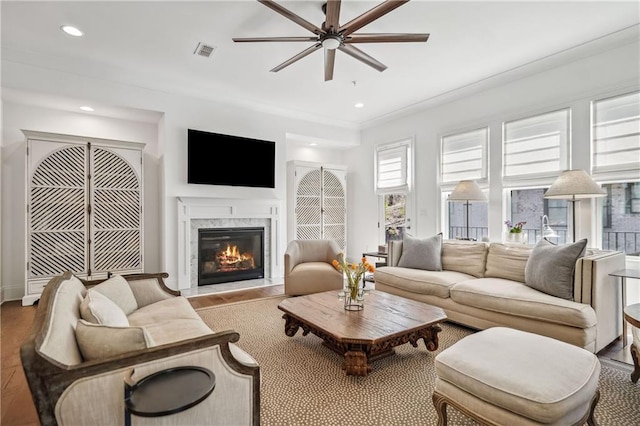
[(393, 168), (395, 216), (536, 146), (616, 137), (616, 157), (464, 156), (457, 219), (621, 218), (528, 205), (393, 177)]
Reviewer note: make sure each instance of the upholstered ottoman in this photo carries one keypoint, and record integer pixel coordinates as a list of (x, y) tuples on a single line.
[(502, 376)]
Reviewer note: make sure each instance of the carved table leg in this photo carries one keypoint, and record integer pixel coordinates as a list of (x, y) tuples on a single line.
[(429, 336), (291, 325), (635, 354), (356, 363)]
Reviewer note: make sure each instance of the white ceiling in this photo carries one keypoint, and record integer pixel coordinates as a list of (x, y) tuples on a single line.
[(151, 44)]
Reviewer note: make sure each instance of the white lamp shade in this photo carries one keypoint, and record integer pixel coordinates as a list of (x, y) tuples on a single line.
[(574, 184), (467, 190)]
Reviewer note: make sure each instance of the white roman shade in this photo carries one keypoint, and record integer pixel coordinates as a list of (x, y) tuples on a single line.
[(464, 156), (616, 137), (393, 168), (536, 147)]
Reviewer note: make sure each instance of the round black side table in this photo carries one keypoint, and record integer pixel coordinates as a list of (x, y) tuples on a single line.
[(167, 392)]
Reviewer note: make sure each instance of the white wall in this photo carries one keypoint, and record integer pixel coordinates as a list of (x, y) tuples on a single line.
[(170, 147), (572, 85)]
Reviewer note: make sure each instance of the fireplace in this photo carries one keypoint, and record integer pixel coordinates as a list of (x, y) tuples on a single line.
[(230, 254)]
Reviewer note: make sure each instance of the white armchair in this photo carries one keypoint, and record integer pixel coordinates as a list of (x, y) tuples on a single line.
[(308, 268)]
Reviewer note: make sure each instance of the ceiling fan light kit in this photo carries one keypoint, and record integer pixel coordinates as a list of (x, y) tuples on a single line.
[(332, 36)]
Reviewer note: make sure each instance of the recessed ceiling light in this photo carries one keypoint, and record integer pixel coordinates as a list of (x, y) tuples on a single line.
[(87, 108), (359, 105), (72, 31), (313, 144)]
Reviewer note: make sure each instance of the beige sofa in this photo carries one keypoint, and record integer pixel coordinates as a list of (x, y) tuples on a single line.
[(482, 285), (76, 368)]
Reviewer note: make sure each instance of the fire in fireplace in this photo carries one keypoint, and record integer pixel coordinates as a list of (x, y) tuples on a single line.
[(230, 254)]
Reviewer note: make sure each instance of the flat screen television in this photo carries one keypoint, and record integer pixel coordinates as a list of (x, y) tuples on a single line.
[(217, 159)]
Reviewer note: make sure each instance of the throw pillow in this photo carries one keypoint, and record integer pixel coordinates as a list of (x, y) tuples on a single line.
[(100, 341), (550, 267), (99, 309), (468, 257), (425, 253), (118, 290), (507, 261)]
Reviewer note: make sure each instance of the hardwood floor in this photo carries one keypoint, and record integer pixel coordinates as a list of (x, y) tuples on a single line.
[(16, 405)]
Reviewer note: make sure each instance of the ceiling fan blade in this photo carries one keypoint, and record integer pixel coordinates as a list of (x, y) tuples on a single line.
[(299, 56), (386, 38), (292, 16), (363, 57), (266, 39), (370, 16), (329, 62), (333, 16)]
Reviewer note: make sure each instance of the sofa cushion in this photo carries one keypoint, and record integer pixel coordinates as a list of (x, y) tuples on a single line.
[(420, 281), (99, 309), (514, 298), (421, 253), (170, 320), (468, 257), (507, 261), (102, 341), (117, 289), (550, 267)]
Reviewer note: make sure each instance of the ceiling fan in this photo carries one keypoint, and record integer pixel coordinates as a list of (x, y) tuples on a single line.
[(332, 36)]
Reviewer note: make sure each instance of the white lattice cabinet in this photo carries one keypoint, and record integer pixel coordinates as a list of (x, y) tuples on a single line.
[(84, 210), (317, 202)]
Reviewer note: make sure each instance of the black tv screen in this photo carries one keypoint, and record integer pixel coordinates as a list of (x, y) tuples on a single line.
[(216, 159)]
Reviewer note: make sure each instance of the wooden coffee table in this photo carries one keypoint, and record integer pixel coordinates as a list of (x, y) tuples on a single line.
[(363, 336)]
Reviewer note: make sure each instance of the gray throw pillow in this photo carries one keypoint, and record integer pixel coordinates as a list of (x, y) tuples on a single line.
[(425, 253), (550, 267)]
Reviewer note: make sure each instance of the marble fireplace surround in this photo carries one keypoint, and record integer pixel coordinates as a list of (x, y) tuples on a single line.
[(195, 213)]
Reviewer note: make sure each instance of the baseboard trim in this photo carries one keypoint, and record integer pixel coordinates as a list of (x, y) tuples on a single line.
[(8, 294)]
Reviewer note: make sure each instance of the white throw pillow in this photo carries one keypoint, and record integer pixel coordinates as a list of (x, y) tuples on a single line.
[(118, 290), (99, 309)]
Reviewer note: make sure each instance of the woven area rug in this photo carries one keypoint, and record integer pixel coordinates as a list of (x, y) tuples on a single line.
[(303, 383)]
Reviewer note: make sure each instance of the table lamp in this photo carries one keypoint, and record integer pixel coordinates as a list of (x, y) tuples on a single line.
[(574, 185), (467, 190)]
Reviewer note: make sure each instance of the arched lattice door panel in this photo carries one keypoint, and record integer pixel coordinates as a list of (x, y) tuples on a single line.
[(116, 201), (309, 205), (334, 217), (85, 208), (320, 204), (57, 214)]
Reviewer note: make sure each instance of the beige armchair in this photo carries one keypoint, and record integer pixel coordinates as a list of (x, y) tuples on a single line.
[(308, 268)]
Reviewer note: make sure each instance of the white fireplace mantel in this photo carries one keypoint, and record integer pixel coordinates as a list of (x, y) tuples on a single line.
[(193, 208)]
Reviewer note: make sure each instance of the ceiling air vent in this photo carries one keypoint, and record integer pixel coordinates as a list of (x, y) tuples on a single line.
[(204, 50)]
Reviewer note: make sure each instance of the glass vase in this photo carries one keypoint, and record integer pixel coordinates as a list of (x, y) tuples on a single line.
[(353, 296), (516, 237)]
